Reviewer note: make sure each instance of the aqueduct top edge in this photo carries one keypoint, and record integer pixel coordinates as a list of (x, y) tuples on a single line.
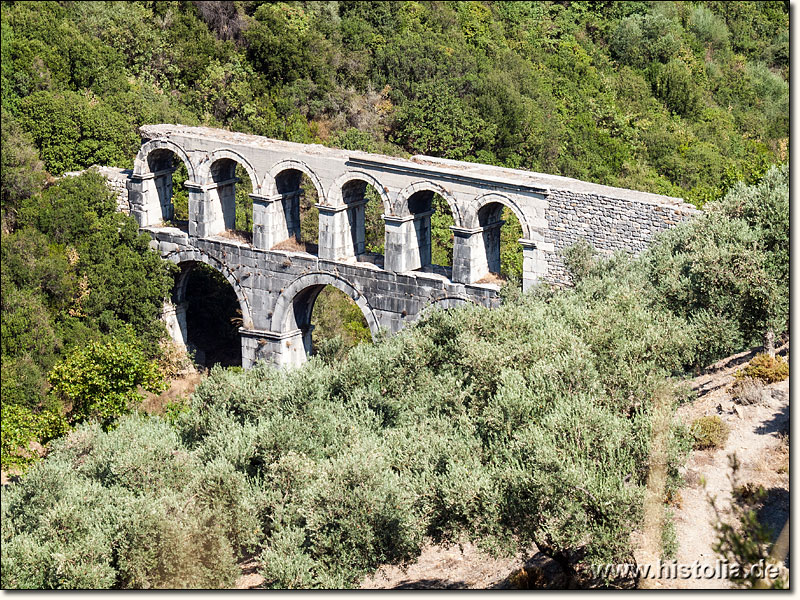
[(460, 170)]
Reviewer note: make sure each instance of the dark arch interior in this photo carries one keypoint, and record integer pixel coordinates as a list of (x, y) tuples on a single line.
[(170, 174), (213, 317), (433, 222), (300, 213), (365, 214), (332, 323), (234, 192), (501, 233)]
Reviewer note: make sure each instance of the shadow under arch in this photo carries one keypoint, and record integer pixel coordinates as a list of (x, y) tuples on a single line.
[(190, 257), (209, 308), (295, 304)]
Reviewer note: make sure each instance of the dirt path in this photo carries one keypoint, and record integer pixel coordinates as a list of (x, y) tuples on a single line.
[(759, 437), (461, 566)]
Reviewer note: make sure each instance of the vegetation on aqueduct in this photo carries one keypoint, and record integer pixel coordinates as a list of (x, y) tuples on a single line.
[(528, 423)]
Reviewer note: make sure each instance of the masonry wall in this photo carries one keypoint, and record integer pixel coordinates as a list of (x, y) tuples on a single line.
[(609, 224)]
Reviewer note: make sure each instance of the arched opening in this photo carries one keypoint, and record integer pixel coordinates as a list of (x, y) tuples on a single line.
[(365, 219), (299, 220), (212, 315), (501, 233), (337, 324), (329, 320), (432, 222), (169, 174), (231, 189)]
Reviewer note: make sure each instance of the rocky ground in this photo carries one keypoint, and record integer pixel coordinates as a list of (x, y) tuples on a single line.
[(759, 437)]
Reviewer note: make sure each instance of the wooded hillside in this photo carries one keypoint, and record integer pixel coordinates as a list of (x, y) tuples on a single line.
[(531, 423)]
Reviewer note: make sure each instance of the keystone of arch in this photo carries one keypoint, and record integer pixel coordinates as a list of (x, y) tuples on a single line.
[(141, 167), (188, 256), (401, 206), (204, 169), (335, 192), (284, 304), (269, 187)]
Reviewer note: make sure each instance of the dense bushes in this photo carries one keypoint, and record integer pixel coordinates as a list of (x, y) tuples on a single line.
[(136, 510), (528, 423), (78, 278)]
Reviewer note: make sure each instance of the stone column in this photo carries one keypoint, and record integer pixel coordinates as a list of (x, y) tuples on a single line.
[(225, 192), (335, 237), (422, 230), (400, 249), (491, 245), (150, 197), (203, 221), (534, 261), (290, 204), (278, 349), (469, 254), (138, 190), (269, 221), (356, 216), (212, 207)]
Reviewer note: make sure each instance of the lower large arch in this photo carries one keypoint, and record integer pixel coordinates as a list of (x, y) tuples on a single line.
[(294, 305), (187, 257)]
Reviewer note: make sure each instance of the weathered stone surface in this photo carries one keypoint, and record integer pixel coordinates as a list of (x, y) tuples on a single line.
[(277, 288)]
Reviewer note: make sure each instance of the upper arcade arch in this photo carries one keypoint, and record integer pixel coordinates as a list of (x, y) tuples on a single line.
[(271, 185), (142, 166), (205, 169), (152, 171), (336, 196), (402, 207), (480, 217)]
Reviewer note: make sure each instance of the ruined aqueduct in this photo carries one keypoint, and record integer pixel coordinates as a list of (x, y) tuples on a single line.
[(276, 289)]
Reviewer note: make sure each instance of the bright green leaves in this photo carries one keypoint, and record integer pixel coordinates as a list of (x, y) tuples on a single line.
[(101, 380), (74, 131)]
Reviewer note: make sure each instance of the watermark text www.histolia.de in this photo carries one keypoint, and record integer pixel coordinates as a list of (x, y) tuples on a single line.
[(721, 569)]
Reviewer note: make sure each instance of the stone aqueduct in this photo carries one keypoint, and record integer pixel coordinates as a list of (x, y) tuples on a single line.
[(276, 289)]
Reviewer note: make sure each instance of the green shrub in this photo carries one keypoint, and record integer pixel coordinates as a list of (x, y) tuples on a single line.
[(127, 509), (101, 381), (675, 85), (766, 368), (709, 432), (21, 426)]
